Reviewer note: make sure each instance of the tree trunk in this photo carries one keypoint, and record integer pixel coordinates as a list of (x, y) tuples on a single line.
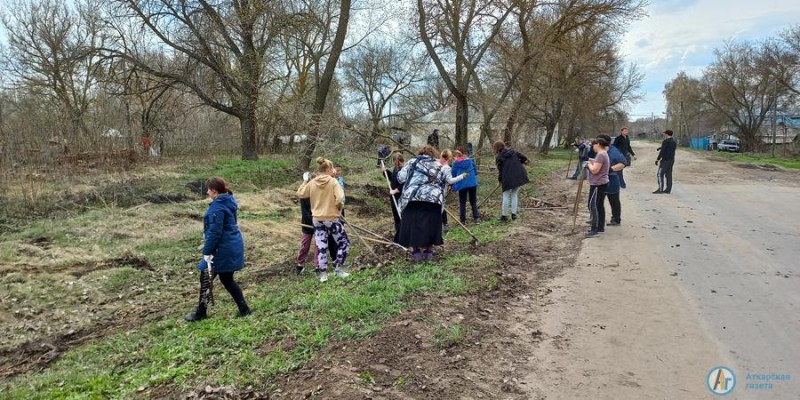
[(376, 129), (247, 123), (462, 121), (547, 139), (485, 135), (508, 132), (325, 84)]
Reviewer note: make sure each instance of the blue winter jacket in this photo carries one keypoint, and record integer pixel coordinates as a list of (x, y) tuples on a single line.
[(468, 166), (222, 237)]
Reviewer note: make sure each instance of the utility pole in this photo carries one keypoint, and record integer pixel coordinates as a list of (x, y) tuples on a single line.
[(653, 120), (680, 125), (774, 117)]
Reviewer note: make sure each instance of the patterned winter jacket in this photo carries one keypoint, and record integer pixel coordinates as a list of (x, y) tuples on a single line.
[(424, 179)]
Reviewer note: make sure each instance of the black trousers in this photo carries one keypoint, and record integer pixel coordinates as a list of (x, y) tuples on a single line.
[(396, 217), (597, 207), (616, 207), (230, 285), (665, 175), (472, 194)]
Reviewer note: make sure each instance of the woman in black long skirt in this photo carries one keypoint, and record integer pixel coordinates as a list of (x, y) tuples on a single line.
[(423, 179)]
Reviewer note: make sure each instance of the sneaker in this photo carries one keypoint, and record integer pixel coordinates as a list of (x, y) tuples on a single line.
[(417, 256), (666, 192), (503, 218), (513, 217), (613, 223), (340, 273), (428, 255), (299, 269), (476, 220), (445, 228), (592, 234), (323, 276), (659, 191)]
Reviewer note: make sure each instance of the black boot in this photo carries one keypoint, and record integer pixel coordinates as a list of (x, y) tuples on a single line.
[(198, 315), (244, 310)]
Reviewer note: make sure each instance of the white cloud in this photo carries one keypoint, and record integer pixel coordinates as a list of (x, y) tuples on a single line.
[(682, 35)]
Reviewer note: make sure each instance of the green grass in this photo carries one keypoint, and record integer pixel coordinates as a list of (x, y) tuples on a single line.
[(293, 319), (792, 163), (445, 337), (486, 232), (173, 253), (247, 175)]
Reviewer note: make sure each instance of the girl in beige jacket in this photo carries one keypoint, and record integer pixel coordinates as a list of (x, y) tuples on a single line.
[(327, 202)]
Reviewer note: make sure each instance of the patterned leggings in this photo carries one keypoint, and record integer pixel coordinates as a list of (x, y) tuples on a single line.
[(335, 229)]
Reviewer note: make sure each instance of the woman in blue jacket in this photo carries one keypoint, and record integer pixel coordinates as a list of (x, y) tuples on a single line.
[(467, 188), (223, 249)]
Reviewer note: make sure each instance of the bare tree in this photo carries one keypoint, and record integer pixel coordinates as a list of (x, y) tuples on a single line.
[(783, 54), (583, 63), (543, 31), (324, 77), (221, 46), (742, 85), (378, 73), (457, 34), (428, 96), (52, 50)]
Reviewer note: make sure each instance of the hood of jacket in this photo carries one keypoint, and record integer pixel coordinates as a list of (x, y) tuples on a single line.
[(506, 153), (227, 201), (323, 180)]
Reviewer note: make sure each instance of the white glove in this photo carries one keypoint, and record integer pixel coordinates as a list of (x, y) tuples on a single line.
[(306, 176), (208, 259)]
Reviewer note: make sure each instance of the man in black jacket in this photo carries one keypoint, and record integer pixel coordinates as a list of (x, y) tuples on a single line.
[(433, 139), (623, 143), (665, 162)]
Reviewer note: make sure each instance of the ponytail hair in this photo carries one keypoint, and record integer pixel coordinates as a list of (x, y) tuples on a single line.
[(325, 165), (219, 185), (447, 154)]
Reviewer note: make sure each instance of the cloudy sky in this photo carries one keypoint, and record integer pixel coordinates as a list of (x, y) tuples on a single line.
[(681, 35)]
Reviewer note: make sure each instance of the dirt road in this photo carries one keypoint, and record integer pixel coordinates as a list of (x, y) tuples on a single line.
[(706, 276)]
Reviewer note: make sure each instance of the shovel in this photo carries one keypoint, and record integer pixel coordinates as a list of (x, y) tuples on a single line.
[(389, 183), (355, 230), (577, 199), (490, 195), (475, 240)]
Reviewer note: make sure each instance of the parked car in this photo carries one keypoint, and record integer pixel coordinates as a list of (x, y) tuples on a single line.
[(728, 145)]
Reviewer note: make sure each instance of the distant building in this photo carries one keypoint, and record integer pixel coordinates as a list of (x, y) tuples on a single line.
[(787, 128)]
